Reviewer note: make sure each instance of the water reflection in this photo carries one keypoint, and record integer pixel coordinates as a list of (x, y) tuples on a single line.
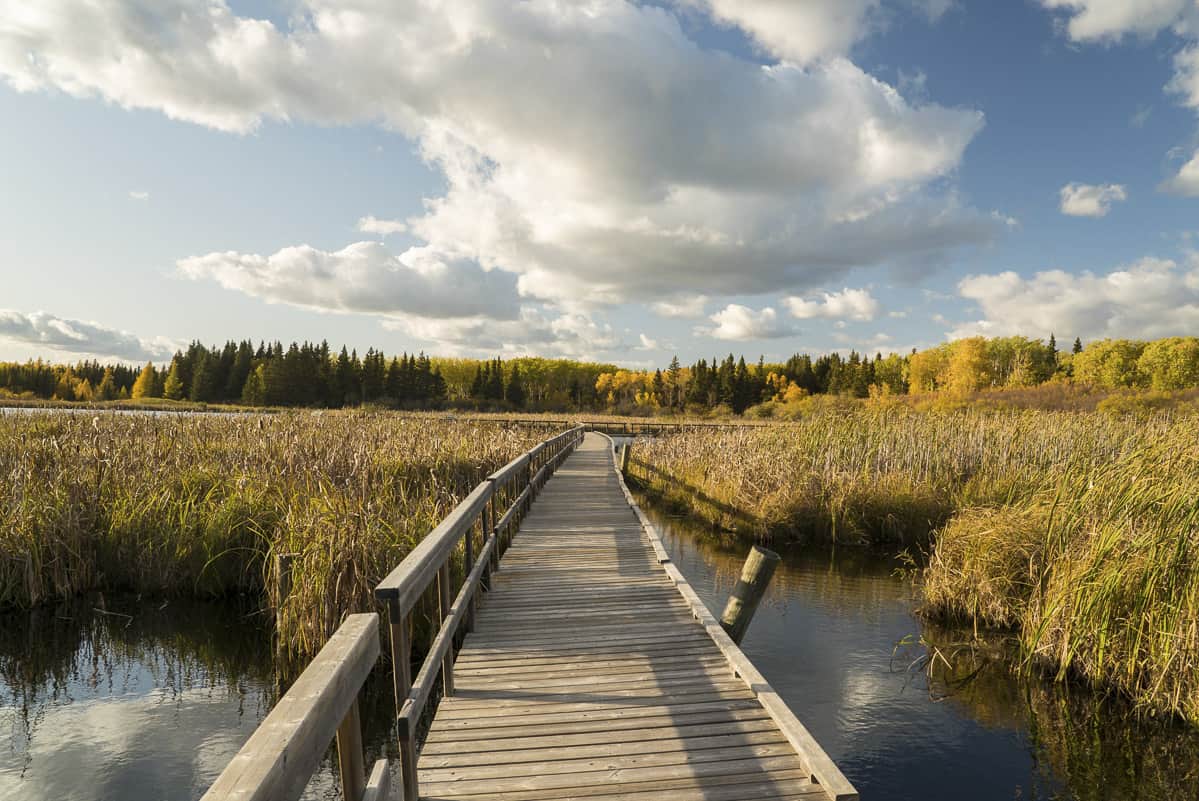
[(826, 638), (138, 700)]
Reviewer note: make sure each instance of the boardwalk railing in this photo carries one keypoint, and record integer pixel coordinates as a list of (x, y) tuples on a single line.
[(281, 755), (278, 760), (515, 484)]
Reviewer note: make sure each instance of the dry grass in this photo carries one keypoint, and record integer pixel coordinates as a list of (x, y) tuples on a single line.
[(872, 476), (197, 505), (1079, 530)]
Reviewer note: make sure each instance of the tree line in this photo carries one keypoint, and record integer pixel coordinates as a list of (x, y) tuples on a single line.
[(313, 375)]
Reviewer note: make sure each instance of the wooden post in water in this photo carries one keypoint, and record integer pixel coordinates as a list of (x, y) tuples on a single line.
[(350, 759), (624, 457), (283, 564), (743, 602)]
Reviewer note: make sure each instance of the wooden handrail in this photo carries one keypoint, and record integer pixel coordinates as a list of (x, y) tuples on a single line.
[(278, 760), (517, 483)]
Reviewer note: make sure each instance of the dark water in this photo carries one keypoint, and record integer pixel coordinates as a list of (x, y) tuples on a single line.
[(140, 702), (149, 701), (826, 639)]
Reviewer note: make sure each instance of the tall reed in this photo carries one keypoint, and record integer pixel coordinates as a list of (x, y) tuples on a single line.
[(871, 476), (1079, 530), (197, 504)]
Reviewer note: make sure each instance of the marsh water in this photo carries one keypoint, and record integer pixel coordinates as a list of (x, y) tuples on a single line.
[(120, 698)]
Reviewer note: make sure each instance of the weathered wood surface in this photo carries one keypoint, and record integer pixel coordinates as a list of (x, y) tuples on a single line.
[(280, 756), (593, 670)]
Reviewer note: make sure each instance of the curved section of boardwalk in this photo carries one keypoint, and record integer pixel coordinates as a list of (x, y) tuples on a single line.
[(588, 674)]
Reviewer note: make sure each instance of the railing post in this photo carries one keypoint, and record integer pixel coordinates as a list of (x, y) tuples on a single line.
[(443, 611), (493, 531), (401, 667), (350, 760)]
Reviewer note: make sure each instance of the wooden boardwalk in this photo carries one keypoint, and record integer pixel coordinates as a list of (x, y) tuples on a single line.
[(594, 671)]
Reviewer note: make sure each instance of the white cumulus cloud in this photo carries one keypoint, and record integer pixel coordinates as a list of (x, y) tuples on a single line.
[(81, 338), (1092, 20), (364, 277), (807, 30), (631, 162), (1149, 299), (373, 225), (848, 304), (691, 307), (569, 335), (1087, 200), (739, 323), (647, 343)]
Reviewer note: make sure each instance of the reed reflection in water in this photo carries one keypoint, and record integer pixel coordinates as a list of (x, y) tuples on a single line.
[(826, 637), (141, 701)]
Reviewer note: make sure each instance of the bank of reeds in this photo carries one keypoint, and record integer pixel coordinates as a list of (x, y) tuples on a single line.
[(197, 505), (873, 476), (1099, 571), (1081, 531)]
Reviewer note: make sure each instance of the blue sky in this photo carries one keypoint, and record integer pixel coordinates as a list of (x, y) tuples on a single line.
[(599, 179)]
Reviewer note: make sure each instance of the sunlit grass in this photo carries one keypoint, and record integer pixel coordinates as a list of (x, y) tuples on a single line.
[(1081, 531), (198, 505)]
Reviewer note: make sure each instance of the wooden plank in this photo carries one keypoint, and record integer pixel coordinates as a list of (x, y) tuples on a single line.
[(500, 735), (732, 788), (614, 776), (378, 784), (559, 755), (602, 717), (592, 673), (668, 734), (534, 774), (280, 756)]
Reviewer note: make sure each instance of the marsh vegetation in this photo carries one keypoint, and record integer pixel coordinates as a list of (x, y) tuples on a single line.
[(1078, 531), (197, 505)]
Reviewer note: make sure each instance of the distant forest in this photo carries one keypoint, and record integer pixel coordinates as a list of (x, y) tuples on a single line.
[(312, 375)]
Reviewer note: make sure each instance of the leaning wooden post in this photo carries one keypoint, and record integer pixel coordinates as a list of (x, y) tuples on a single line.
[(350, 760), (743, 602), (283, 576), (283, 566), (624, 457)]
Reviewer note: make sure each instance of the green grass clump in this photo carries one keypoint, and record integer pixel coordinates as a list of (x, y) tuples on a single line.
[(1102, 578), (198, 504)]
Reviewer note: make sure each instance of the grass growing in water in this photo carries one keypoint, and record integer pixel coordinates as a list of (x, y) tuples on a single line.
[(197, 505), (870, 476), (1079, 530)]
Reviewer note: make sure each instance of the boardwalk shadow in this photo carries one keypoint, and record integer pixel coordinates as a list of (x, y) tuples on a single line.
[(589, 676)]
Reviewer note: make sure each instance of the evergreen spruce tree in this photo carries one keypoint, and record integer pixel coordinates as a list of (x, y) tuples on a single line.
[(514, 393), (476, 387), (203, 382), (108, 387), (1077, 346), (254, 391), (674, 380), (172, 387), (495, 385)]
